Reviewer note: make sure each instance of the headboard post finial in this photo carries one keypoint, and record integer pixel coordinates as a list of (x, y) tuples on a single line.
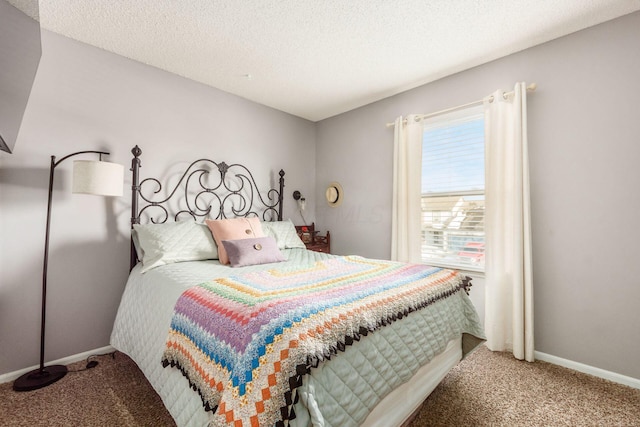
[(281, 195), (136, 151)]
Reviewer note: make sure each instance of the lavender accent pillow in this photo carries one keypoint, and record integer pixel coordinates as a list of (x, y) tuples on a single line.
[(233, 229), (252, 251)]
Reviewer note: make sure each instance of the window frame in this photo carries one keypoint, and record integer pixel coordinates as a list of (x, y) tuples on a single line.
[(446, 120)]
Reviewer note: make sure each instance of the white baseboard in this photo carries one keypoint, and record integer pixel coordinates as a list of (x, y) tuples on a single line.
[(576, 366), (10, 376), (591, 370)]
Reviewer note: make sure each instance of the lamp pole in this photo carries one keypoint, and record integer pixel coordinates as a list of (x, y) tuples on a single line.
[(44, 376)]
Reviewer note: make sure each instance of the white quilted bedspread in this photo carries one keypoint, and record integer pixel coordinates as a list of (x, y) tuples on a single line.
[(144, 317)]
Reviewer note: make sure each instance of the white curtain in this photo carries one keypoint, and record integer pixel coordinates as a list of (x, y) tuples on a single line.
[(509, 292), (407, 190)]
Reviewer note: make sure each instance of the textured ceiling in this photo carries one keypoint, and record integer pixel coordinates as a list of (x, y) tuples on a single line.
[(318, 58)]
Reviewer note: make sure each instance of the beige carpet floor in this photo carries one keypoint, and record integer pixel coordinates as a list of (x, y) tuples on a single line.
[(114, 393), (494, 389), (486, 389)]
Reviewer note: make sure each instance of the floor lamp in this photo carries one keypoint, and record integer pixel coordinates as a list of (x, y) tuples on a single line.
[(89, 177)]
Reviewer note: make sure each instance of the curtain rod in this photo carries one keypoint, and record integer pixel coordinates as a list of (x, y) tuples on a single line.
[(531, 88)]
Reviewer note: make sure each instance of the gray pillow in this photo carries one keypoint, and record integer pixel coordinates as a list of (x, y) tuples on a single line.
[(253, 251)]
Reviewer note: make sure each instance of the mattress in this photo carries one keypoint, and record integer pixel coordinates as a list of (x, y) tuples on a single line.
[(360, 386)]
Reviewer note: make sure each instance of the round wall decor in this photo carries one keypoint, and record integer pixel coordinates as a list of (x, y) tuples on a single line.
[(334, 194)]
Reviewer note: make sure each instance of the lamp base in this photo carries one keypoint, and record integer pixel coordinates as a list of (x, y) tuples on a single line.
[(40, 378)]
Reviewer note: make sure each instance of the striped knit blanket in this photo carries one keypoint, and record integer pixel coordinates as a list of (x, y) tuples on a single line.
[(245, 341)]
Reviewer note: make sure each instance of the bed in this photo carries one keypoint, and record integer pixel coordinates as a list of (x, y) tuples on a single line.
[(372, 364)]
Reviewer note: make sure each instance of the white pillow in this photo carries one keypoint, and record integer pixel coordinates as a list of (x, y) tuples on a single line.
[(284, 232), (171, 242)]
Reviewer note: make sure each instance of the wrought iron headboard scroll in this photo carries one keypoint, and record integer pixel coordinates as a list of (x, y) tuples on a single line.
[(235, 194)]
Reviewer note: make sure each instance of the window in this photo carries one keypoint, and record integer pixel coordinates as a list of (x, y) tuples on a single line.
[(453, 190)]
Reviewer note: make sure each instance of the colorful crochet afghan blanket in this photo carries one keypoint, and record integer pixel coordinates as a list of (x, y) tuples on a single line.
[(244, 342)]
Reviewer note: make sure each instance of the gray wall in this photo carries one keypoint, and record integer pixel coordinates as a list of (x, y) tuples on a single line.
[(584, 135), (19, 56), (87, 99)]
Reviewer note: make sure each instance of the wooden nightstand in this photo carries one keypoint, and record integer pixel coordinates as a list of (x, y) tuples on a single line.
[(312, 240)]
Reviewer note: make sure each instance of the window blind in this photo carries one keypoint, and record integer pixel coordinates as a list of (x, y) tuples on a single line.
[(453, 190)]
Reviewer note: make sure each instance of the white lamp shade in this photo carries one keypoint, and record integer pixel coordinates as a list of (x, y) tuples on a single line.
[(97, 177)]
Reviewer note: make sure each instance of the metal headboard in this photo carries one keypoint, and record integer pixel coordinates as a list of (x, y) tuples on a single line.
[(234, 194)]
